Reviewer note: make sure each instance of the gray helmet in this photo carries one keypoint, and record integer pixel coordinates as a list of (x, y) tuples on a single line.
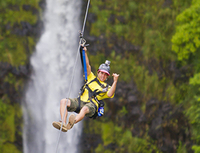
[(105, 67)]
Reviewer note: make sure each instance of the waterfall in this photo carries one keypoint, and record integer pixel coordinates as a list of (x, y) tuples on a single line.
[(52, 63)]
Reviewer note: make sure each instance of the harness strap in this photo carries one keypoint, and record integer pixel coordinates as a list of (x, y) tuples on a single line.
[(95, 114), (79, 106), (93, 93), (94, 105), (95, 79)]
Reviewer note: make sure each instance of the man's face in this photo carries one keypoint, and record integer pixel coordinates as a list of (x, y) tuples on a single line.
[(102, 76)]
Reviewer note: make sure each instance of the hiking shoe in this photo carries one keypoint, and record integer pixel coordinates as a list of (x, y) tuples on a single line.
[(71, 122), (57, 125)]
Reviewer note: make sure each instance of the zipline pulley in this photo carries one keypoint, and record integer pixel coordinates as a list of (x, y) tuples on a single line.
[(83, 43)]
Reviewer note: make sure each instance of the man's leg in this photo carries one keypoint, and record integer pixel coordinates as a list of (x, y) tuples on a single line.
[(63, 104), (63, 109), (75, 119), (81, 115)]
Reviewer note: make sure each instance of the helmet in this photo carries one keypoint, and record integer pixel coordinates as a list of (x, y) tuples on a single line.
[(105, 67)]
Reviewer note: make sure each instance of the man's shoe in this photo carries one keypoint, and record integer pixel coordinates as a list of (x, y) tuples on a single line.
[(57, 125), (71, 122)]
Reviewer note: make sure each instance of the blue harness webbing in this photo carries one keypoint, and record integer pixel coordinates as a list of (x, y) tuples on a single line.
[(84, 64)]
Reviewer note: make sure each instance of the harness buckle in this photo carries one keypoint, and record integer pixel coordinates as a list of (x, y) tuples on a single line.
[(105, 89)]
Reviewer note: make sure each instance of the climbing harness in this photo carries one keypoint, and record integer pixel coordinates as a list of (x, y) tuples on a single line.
[(81, 39), (92, 94)]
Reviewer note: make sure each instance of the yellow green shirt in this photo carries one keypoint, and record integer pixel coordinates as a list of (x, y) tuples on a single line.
[(93, 86)]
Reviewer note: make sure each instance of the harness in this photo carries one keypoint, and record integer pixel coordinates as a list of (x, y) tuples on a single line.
[(93, 95)]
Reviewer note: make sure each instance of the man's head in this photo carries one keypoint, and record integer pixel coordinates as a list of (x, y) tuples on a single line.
[(104, 71)]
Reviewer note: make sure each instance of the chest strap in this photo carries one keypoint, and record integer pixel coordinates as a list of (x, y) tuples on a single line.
[(93, 94)]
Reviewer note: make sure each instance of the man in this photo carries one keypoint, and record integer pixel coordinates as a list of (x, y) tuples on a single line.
[(88, 103)]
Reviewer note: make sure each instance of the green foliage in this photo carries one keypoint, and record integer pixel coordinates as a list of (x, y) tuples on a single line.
[(14, 48), (181, 148), (9, 125), (8, 128), (3, 111), (16, 17), (139, 145), (196, 149), (123, 111), (154, 35), (149, 85), (112, 134), (120, 23), (193, 110), (14, 81), (10, 78), (154, 41), (186, 41), (149, 25), (9, 148), (143, 23), (101, 149), (108, 132), (195, 80), (156, 32)]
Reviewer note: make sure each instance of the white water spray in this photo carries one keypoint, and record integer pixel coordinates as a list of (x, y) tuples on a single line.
[(53, 63)]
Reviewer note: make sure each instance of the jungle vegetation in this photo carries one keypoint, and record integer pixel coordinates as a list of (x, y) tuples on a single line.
[(155, 47), (17, 40)]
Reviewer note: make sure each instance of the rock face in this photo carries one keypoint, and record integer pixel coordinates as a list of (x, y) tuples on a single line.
[(11, 91), (7, 88), (163, 122), (20, 26)]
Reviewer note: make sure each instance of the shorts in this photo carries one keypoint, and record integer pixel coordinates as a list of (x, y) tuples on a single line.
[(75, 104)]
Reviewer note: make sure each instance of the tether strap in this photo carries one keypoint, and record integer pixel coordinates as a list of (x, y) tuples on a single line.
[(84, 64)]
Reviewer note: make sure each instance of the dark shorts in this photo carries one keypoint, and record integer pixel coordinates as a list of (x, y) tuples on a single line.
[(75, 104)]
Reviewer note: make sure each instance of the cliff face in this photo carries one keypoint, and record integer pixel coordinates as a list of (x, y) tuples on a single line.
[(155, 108), (151, 111), (19, 27)]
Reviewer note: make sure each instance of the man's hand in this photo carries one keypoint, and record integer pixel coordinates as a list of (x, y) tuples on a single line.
[(115, 77), (113, 87), (85, 49)]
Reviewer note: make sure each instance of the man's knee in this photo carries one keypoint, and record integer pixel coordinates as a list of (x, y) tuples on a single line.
[(65, 101), (85, 109)]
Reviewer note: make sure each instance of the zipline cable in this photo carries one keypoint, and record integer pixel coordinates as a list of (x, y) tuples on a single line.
[(81, 37), (85, 18)]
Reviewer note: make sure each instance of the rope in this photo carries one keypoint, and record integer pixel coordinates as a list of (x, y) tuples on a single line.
[(69, 90)]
